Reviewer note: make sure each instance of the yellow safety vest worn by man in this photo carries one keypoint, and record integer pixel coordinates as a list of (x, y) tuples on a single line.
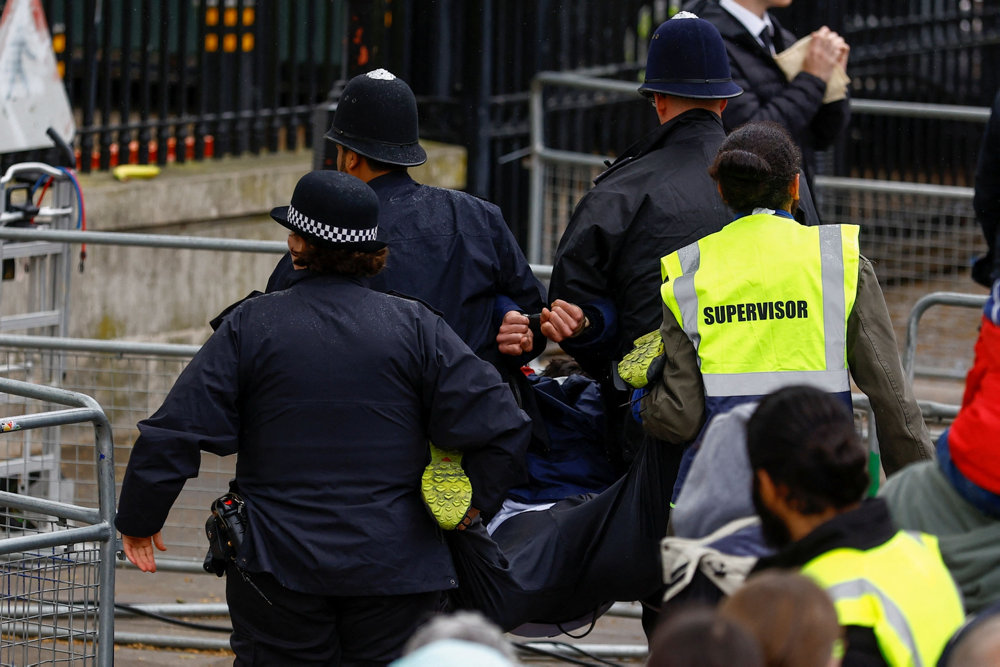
[(892, 590), (766, 303), (901, 589)]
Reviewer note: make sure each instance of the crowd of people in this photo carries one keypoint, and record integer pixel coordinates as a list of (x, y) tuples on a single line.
[(381, 375)]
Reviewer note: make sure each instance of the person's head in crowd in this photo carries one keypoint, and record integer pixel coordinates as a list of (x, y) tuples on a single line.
[(793, 619), (333, 225), (757, 166), (700, 637), (977, 644), (458, 639), (808, 462), (687, 67)]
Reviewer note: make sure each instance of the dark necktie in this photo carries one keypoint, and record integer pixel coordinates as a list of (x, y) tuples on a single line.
[(765, 36)]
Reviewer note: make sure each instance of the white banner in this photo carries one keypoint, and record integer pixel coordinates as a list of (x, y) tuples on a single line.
[(32, 96)]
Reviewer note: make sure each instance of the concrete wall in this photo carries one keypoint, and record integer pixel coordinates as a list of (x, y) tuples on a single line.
[(169, 295)]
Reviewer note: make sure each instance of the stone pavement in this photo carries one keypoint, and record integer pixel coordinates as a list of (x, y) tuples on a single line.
[(134, 587)]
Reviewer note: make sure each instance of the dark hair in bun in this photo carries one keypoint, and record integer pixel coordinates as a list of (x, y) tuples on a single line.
[(755, 165)]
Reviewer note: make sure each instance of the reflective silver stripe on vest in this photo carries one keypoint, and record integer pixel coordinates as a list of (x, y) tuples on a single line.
[(857, 588), (834, 307), (758, 384), (685, 294)]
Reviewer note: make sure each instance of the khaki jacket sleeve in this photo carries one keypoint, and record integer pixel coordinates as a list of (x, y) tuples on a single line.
[(674, 409), (874, 361)]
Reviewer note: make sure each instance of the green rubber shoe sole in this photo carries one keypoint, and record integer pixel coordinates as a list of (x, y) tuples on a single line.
[(446, 488)]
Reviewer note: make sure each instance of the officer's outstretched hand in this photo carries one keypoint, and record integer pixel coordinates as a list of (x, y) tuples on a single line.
[(565, 320), (139, 550), (515, 337)]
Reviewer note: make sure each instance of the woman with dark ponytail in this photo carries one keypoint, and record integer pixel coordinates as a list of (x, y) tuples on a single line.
[(757, 166), (766, 302)]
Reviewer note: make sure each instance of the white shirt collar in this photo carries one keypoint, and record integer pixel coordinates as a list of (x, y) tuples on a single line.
[(753, 23)]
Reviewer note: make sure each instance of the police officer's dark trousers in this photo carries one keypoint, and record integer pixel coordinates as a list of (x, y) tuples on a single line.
[(302, 629)]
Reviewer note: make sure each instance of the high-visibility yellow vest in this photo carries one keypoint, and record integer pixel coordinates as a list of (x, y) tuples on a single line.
[(765, 302), (901, 589)]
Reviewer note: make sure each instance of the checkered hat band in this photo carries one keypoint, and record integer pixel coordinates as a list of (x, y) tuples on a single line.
[(328, 232)]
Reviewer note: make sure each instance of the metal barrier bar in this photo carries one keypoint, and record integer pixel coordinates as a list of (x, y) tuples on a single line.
[(920, 307), (142, 240), (103, 530), (921, 110), (542, 271), (893, 187), (542, 154), (95, 345)]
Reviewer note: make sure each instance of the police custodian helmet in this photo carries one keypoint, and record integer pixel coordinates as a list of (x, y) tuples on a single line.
[(687, 58), (377, 117)]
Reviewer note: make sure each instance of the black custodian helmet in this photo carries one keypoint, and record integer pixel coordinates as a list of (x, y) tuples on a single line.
[(377, 117), (687, 58)]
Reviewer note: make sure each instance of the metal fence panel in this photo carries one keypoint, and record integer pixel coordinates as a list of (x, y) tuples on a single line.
[(56, 558), (130, 387)]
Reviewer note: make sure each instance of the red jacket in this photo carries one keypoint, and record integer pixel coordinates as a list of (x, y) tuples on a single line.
[(974, 439)]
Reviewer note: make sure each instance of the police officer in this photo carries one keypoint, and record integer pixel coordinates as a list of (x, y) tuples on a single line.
[(891, 589), (328, 391), (767, 302), (451, 250), (656, 197)]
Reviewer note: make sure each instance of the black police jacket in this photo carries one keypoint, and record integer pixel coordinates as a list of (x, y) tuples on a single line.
[(328, 392), (657, 197), (987, 198), (455, 253)]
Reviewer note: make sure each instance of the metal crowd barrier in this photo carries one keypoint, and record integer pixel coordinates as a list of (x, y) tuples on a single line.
[(57, 558), (921, 307)]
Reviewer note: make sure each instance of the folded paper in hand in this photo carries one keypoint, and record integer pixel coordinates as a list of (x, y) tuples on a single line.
[(790, 61)]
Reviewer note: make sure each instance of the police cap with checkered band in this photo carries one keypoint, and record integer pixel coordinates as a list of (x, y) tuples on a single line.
[(333, 209)]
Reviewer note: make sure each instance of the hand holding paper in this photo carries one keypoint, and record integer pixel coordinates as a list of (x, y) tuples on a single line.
[(822, 53)]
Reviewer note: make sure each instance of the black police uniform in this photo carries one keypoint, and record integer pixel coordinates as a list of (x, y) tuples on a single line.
[(454, 252), (986, 201), (655, 198), (329, 392)]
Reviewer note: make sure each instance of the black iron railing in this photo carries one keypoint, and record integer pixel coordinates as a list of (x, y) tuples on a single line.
[(161, 80)]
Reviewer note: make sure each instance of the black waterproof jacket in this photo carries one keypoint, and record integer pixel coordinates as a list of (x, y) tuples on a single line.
[(655, 198), (768, 94), (329, 392), (987, 198), (455, 253)]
